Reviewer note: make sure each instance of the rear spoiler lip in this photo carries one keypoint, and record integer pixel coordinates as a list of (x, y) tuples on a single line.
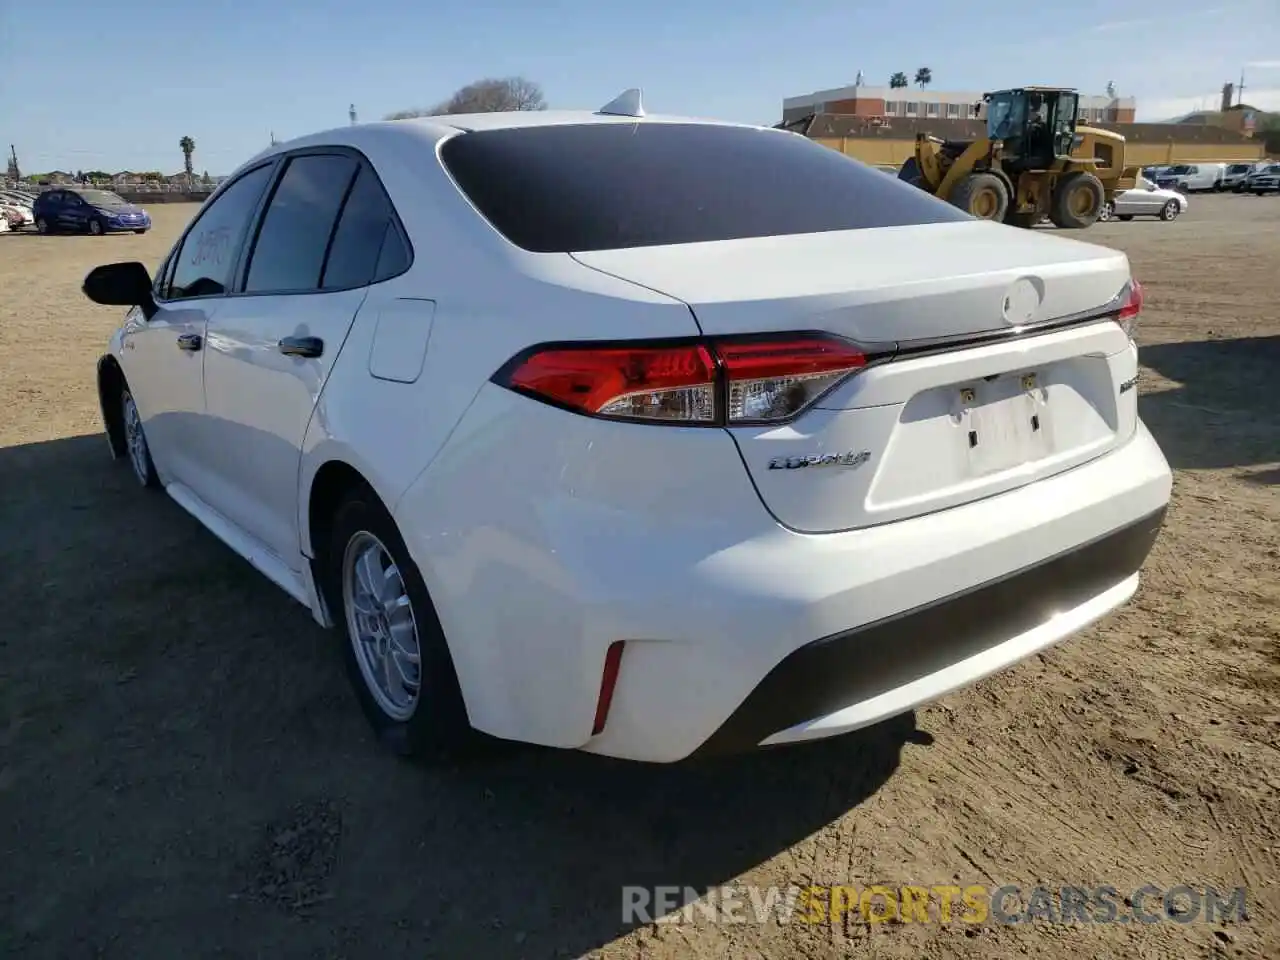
[(936, 345)]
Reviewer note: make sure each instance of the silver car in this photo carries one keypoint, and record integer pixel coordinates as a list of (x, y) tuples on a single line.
[(1145, 200)]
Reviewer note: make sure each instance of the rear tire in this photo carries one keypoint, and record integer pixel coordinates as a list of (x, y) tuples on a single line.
[(1108, 212), (1077, 201), (982, 195), (42, 226), (426, 721)]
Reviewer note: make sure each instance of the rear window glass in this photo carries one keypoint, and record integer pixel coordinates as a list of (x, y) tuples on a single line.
[(607, 186)]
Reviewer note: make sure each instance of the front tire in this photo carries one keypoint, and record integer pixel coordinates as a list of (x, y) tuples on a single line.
[(135, 442), (394, 650), (1077, 201), (982, 195), (1170, 211), (1107, 212), (95, 227)]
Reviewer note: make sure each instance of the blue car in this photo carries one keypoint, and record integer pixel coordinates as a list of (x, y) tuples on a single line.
[(86, 210)]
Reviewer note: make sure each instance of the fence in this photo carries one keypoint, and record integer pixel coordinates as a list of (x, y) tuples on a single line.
[(127, 186)]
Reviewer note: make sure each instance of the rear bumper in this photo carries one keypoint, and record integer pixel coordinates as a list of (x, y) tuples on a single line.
[(545, 538), (860, 676)]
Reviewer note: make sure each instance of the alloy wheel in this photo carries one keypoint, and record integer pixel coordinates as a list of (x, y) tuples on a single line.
[(381, 625)]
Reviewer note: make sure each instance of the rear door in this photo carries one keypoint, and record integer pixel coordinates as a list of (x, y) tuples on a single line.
[(272, 345)]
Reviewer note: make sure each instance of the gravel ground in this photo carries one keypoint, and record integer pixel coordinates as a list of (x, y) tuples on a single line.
[(183, 772)]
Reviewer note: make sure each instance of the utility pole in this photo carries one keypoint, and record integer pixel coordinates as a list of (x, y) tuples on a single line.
[(1240, 89), (14, 172), (351, 112)]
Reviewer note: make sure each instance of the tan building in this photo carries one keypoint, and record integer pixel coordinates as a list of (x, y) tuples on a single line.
[(888, 141), (908, 103)]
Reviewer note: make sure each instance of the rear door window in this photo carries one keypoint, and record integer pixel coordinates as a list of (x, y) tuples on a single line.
[(299, 221), (366, 227), (605, 186)]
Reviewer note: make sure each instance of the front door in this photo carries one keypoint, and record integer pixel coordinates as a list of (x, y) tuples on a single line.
[(163, 358), (164, 368)]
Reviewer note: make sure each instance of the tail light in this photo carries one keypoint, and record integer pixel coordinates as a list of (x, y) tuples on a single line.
[(1130, 308), (706, 382)]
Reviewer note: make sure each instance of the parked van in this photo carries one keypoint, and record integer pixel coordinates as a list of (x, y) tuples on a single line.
[(1192, 177), (1236, 174)]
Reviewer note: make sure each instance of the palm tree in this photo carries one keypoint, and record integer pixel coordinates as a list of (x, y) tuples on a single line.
[(898, 81), (924, 77), (188, 147)]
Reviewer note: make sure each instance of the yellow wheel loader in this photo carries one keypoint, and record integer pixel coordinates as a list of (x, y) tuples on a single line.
[(1034, 162)]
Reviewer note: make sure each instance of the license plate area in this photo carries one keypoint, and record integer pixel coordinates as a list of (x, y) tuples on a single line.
[(1004, 422)]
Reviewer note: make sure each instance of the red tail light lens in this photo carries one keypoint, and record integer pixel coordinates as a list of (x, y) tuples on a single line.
[(749, 380), (1128, 318), (649, 383)]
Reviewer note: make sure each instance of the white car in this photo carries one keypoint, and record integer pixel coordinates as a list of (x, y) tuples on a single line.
[(1145, 200), (639, 435)]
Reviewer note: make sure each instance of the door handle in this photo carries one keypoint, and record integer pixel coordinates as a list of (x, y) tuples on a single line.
[(191, 342), (301, 346)]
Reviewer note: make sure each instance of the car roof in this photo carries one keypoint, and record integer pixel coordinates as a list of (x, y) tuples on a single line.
[(435, 128)]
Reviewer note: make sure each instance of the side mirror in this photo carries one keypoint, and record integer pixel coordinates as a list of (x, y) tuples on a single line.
[(119, 285)]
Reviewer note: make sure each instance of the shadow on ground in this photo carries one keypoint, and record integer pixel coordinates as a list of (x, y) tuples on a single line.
[(1226, 413), (183, 772)]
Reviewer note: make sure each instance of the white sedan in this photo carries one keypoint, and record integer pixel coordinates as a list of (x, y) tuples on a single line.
[(644, 436), (1145, 200)]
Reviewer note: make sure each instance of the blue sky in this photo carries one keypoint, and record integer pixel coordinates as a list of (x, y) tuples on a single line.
[(120, 91)]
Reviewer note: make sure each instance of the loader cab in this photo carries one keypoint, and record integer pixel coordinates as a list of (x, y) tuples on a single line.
[(1037, 125)]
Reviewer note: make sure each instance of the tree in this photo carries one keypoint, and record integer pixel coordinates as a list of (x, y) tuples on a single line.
[(188, 147), (898, 81), (924, 77), (491, 95)]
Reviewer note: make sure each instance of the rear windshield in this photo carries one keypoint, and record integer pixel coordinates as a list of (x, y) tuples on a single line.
[(607, 186)]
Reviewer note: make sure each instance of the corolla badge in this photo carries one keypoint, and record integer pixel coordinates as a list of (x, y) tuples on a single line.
[(850, 459)]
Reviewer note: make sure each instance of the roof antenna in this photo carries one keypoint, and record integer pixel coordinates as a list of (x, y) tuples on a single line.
[(629, 103)]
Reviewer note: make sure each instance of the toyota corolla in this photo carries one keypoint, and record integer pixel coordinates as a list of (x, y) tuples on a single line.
[(639, 435)]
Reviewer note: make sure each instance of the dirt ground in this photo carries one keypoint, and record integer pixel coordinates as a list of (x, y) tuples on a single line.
[(184, 773)]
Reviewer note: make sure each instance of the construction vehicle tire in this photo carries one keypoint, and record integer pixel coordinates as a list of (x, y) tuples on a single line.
[(982, 195), (1077, 201)]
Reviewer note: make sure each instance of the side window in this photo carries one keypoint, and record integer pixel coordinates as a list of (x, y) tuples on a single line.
[(298, 223), (366, 246), (395, 258), (203, 265)]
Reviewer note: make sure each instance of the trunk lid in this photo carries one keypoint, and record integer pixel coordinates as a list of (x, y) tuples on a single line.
[(932, 428)]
